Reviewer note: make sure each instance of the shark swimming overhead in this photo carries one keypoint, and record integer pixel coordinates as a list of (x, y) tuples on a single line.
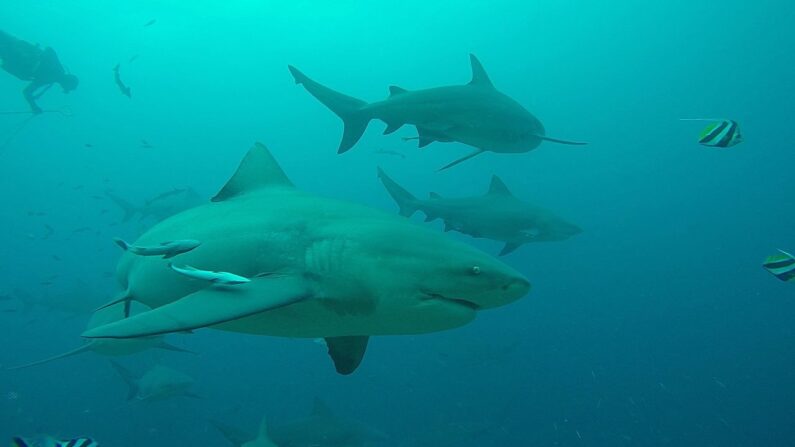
[(497, 215), (110, 347), (319, 268), (475, 114)]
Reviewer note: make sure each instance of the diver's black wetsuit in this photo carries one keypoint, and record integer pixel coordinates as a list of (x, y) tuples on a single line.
[(29, 62)]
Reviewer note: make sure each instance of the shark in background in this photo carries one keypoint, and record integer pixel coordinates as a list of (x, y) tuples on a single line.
[(319, 268), (321, 428), (158, 207), (475, 114), (111, 347), (496, 215), (157, 383)]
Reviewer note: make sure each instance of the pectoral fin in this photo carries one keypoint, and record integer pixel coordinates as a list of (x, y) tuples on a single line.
[(210, 306), (347, 352)]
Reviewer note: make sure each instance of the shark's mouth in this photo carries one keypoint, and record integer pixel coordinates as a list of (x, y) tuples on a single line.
[(456, 301)]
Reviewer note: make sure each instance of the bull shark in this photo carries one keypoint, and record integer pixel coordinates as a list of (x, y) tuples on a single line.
[(159, 207), (320, 268), (475, 114), (157, 383), (239, 438), (73, 302), (326, 429), (110, 347), (497, 215)]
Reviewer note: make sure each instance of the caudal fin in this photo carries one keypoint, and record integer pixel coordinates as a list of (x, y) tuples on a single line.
[(406, 202), (129, 379), (128, 208), (348, 108)]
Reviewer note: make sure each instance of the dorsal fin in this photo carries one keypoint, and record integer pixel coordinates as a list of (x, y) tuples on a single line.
[(258, 170), (434, 195), (498, 187), (264, 429), (395, 90), (479, 76)]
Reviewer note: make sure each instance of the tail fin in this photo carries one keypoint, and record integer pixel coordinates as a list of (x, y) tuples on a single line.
[(120, 242), (19, 442), (346, 107), (782, 266), (405, 201), (232, 434), (128, 208), (86, 347), (128, 378)]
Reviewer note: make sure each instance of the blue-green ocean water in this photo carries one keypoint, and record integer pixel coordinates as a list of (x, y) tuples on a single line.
[(656, 326)]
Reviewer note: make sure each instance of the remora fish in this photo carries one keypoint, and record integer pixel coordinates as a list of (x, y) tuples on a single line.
[(166, 249), (345, 271), (475, 114), (497, 215), (224, 278)]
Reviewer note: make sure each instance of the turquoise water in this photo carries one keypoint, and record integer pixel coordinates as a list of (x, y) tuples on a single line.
[(655, 326)]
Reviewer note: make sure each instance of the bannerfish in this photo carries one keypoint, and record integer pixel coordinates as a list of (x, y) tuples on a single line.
[(721, 133), (224, 278), (49, 441), (166, 249), (781, 265)]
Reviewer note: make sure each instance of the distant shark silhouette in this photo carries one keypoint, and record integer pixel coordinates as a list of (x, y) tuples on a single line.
[(157, 383), (239, 438), (319, 268), (475, 114), (497, 215), (110, 347), (322, 428)]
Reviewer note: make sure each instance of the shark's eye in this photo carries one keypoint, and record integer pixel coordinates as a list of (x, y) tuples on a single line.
[(476, 270)]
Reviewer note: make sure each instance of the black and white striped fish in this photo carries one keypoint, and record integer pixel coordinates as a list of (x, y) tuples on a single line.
[(49, 441), (721, 133), (781, 265)]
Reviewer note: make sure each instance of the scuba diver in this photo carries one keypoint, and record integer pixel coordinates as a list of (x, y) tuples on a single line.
[(41, 67)]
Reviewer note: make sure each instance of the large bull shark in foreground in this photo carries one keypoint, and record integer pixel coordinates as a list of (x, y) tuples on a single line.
[(319, 268), (475, 114), (497, 215)]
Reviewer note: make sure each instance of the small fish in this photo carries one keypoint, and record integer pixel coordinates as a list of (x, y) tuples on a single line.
[(9, 311), (125, 90), (46, 283), (150, 22), (166, 249), (133, 59), (224, 278), (56, 257), (145, 144), (49, 441), (77, 187), (81, 230), (781, 265), (390, 152), (96, 197), (721, 133), (49, 231), (88, 145)]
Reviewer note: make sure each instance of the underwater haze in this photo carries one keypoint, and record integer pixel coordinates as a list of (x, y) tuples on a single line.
[(655, 325)]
